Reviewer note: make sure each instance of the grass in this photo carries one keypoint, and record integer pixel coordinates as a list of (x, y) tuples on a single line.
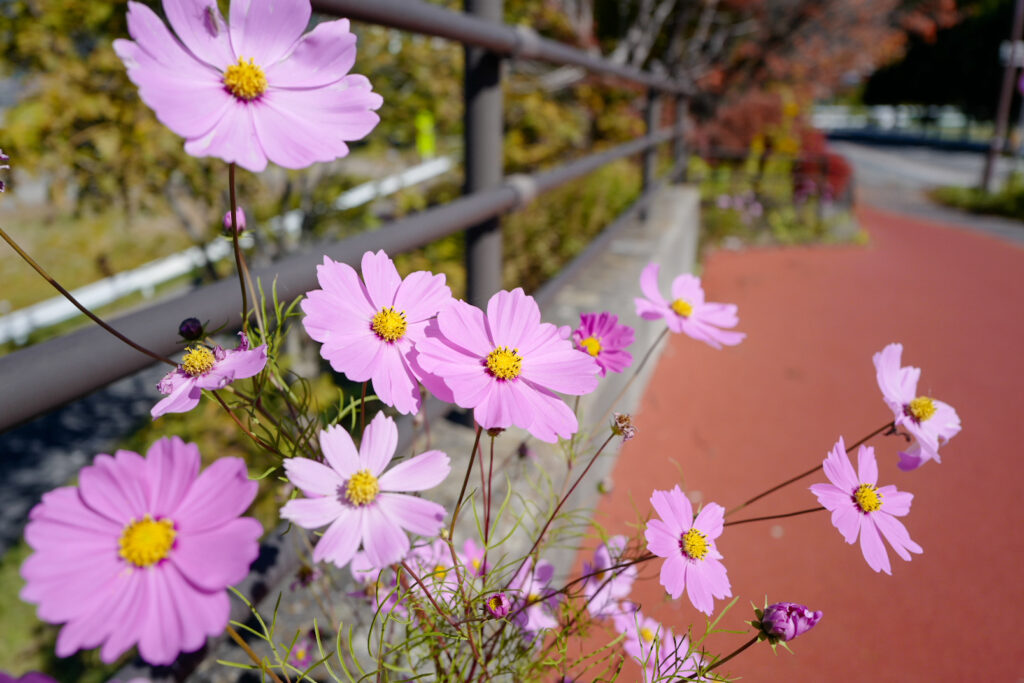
[(1008, 201)]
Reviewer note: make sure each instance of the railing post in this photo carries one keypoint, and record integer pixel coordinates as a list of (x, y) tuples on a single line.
[(680, 154), (484, 138), (652, 116)]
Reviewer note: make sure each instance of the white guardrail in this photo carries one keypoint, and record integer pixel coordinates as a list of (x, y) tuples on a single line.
[(17, 326)]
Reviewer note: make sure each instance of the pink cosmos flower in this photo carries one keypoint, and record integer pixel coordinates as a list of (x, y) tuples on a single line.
[(661, 653), (359, 500), (604, 590), (931, 422), (473, 558), (205, 368), (368, 328), (380, 586), (600, 335), (31, 676), (433, 565), (528, 587), (141, 552), (687, 312), (254, 89), (505, 365), (688, 545), (858, 506)]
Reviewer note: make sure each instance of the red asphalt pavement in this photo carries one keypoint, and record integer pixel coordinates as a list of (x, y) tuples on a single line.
[(726, 425)]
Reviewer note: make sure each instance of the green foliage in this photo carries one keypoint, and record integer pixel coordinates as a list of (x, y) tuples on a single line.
[(1008, 201)]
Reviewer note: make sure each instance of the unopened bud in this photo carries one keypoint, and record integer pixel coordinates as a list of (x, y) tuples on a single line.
[(190, 329), (623, 426), (239, 221), (787, 620)]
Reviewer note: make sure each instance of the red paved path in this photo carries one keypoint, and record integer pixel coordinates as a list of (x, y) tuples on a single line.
[(728, 424)]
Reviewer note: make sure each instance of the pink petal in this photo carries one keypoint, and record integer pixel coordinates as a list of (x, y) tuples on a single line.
[(291, 139), (417, 515), (341, 540), (184, 398), (867, 466), (201, 27), (897, 535), (838, 468), (220, 494), (674, 508), (219, 557), (203, 614), (312, 513), (340, 452), (321, 57), (422, 472), (660, 539), (688, 288), (313, 478), (394, 381), (422, 295), (111, 488), (383, 539), (649, 285), (379, 443), (698, 590), (171, 465), (355, 356), (99, 625), (160, 633), (552, 418), (561, 368), (465, 327), (673, 575), (512, 317), (232, 138), (710, 520), (650, 311), (848, 520), (127, 618), (236, 365), (872, 547), (381, 277), (267, 29), (895, 502)]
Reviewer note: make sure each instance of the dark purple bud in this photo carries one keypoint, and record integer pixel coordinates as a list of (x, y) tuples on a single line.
[(787, 620), (190, 329), (498, 606)]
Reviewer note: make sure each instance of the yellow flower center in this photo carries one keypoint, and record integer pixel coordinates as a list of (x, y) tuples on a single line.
[(245, 81), (300, 654), (476, 563), (591, 345), (694, 544), (647, 634), (198, 360), (533, 597), (389, 324), (921, 408), (362, 488), (505, 363), (682, 308), (147, 541), (494, 603), (867, 498)]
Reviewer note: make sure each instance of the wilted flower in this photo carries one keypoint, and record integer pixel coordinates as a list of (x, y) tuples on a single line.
[(498, 605), (255, 88), (687, 312), (359, 500), (190, 329), (369, 327), (859, 507), (505, 365), (688, 545), (605, 339), (141, 551), (786, 620), (623, 426), (930, 421), (239, 221), (205, 368)]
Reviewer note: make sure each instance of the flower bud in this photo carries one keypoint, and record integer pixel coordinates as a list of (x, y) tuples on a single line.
[(239, 220), (787, 620), (190, 329), (623, 426), (498, 606)]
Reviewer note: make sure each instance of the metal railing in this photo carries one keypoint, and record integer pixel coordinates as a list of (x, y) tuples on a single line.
[(49, 374)]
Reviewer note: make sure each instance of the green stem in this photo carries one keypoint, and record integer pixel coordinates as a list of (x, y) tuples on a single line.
[(722, 661)]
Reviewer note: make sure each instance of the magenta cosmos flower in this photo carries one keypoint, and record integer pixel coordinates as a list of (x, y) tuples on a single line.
[(688, 545), (661, 653), (858, 506), (369, 327), (601, 335), (505, 365), (205, 368), (930, 421), (360, 501), (606, 588), (141, 552), (687, 312), (533, 603), (255, 88)]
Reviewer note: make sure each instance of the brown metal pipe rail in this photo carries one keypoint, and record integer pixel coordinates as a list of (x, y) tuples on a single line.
[(47, 375), (520, 42)]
